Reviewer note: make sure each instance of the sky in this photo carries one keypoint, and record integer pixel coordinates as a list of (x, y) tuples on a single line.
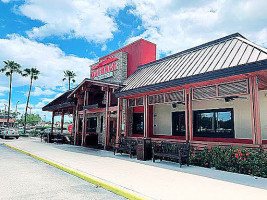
[(58, 35)]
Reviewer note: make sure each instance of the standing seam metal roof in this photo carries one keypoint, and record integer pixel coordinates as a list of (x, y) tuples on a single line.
[(220, 54)]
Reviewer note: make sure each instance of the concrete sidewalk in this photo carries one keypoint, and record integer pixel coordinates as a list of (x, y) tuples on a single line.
[(162, 180)]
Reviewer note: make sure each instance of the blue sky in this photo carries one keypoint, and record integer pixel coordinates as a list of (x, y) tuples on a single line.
[(70, 35)]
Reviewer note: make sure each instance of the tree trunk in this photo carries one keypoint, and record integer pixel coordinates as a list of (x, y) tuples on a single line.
[(69, 83), (27, 104), (9, 100)]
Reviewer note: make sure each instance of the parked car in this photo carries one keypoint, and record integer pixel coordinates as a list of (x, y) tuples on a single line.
[(9, 133)]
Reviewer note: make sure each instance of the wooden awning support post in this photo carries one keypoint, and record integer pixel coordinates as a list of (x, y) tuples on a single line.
[(73, 123), (118, 134), (62, 122), (186, 116), (127, 119), (255, 110), (107, 118), (190, 114), (146, 117), (52, 127), (83, 127), (76, 126)]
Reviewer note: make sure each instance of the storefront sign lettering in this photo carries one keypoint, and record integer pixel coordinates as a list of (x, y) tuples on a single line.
[(104, 67)]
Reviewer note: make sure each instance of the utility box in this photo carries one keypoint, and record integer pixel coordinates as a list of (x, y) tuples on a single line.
[(144, 149)]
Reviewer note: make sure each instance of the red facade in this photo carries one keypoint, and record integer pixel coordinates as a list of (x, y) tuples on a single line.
[(139, 52)]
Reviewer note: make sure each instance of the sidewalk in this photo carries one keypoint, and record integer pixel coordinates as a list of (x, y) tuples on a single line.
[(161, 180)]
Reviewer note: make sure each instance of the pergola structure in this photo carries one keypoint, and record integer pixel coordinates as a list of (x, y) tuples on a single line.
[(61, 106), (95, 99)]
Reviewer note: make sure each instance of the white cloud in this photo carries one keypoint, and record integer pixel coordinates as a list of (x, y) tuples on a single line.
[(49, 59), (40, 92), (89, 19), (6, 1), (177, 25), (3, 90)]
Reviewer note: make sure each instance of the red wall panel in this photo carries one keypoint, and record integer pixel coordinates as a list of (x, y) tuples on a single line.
[(139, 52)]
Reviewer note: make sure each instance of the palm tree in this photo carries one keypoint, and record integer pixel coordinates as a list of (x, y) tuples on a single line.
[(10, 68), (33, 73), (70, 75)]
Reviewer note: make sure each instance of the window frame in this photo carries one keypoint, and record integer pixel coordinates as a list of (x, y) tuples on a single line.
[(213, 134), (134, 132), (180, 133), (88, 124)]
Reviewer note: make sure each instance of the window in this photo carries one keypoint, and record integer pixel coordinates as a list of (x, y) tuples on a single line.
[(178, 123), (214, 123), (91, 124), (138, 123)]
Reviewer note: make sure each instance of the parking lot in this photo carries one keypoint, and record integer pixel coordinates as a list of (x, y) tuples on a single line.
[(23, 177)]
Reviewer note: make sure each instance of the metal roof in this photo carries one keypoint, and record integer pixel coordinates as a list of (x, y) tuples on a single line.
[(227, 52), (60, 102)]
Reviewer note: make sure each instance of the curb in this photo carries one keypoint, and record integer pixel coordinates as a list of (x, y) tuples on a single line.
[(87, 178)]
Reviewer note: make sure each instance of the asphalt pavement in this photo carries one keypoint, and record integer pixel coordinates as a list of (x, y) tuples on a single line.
[(23, 177)]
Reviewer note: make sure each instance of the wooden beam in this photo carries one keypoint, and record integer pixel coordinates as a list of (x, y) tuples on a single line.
[(255, 110), (190, 114), (186, 116), (107, 118), (118, 134), (52, 127), (146, 117), (62, 122), (127, 119), (83, 127)]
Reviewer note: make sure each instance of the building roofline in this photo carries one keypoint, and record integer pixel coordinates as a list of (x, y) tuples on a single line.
[(139, 40), (222, 73), (192, 49), (94, 81)]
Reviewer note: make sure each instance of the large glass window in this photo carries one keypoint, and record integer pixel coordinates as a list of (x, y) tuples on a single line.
[(138, 123), (178, 123), (214, 123), (91, 124)]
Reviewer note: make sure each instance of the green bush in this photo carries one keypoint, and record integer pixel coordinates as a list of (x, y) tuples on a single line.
[(232, 159)]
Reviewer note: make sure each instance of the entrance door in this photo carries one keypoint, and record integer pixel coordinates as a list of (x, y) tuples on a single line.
[(112, 131)]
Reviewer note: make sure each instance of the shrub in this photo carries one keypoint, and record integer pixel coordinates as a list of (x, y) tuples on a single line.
[(232, 159)]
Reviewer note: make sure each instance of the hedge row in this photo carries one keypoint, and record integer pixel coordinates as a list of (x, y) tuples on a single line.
[(231, 159)]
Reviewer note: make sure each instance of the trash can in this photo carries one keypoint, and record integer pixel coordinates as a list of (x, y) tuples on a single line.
[(144, 149)]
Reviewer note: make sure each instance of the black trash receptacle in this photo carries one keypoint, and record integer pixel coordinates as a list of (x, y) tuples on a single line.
[(144, 149)]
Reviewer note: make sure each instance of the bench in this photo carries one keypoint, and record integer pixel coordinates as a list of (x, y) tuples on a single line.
[(172, 151), (126, 145)]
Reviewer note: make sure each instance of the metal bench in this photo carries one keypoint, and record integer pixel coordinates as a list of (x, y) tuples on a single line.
[(126, 145), (172, 151)]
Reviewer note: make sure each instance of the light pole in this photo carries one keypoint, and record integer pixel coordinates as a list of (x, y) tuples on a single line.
[(30, 109), (5, 111), (16, 107)]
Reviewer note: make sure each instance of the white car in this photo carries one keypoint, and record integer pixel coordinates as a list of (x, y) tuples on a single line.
[(9, 132)]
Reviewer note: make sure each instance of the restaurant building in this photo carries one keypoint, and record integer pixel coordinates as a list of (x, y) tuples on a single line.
[(93, 103), (215, 94)]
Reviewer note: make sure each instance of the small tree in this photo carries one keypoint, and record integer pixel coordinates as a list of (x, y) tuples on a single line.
[(69, 75), (9, 69)]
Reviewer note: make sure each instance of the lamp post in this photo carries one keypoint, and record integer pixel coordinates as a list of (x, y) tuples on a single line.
[(16, 107)]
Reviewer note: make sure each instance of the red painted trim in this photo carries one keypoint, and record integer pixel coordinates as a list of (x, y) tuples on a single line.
[(138, 136), (169, 137), (204, 83), (113, 108), (264, 141), (229, 140), (95, 110), (139, 109)]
